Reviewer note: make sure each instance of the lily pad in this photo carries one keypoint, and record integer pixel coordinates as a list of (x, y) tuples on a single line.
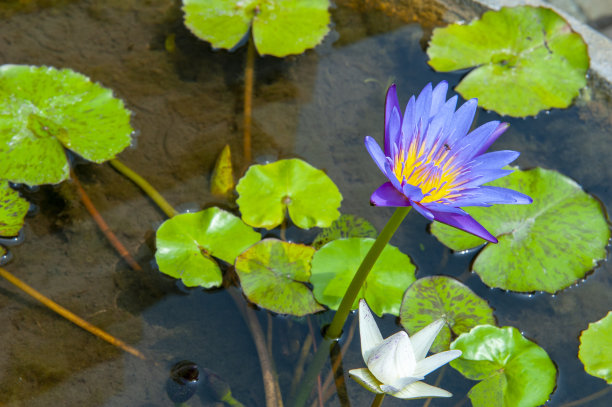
[(432, 298), (280, 27), (13, 210), (526, 59), (513, 370), (44, 110), (273, 274), (222, 181), (345, 226), (545, 246), (335, 264), (268, 191), (187, 243), (596, 348)]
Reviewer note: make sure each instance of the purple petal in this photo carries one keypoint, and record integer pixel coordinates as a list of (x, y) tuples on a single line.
[(440, 207), (472, 143), (410, 120), (495, 159), (392, 118), (423, 103), (485, 196), (466, 223), (423, 211), (413, 193), (376, 153), (391, 176), (462, 121), (478, 177), (496, 133), (388, 195), (438, 97)]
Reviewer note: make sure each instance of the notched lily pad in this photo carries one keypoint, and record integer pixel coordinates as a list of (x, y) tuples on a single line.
[(187, 243), (513, 370), (280, 27), (44, 110), (431, 298), (345, 226), (526, 59), (335, 264), (268, 191), (273, 274), (596, 348), (545, 246), (13, 210)]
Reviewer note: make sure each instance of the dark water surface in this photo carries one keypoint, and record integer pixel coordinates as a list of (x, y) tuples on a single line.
[(187, 105)]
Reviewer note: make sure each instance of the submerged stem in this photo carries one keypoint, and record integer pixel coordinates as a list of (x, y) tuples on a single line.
[(378, 400), (75, 319), (248, 100), (145, 186)]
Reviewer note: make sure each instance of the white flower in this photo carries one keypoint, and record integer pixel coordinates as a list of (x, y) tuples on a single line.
[(396, 365)]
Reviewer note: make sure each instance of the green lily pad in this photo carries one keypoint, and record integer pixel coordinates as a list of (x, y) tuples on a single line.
[(335, 264), (13, 210), (596, 348), (44, 110), (187, 243), (545, 246), (280, 27), (513, 370), (526, 59), (268, 191), (273, 274), (345, 226), (432, 298)]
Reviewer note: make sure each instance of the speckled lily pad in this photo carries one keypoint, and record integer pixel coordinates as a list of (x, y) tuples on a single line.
[(13, 210)]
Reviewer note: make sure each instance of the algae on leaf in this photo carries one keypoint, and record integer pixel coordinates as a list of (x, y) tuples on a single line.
[(526, 59), (44, 110), (13, 210)]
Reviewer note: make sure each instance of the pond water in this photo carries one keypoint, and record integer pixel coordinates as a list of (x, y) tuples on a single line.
[(187, 105)]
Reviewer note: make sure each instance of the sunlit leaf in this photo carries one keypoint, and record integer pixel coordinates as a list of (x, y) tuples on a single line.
[(268, 191), (13, 210), (545, 246), (526, 59), (513, 370), (44, 110), (280, 27), (596, 348), (222, 181), (335, 264), (432, 298), (345, 226), (187, 243), (273, 274)]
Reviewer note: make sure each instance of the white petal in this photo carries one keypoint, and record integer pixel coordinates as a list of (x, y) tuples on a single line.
[(433, 362), (420, 390), (368, 331), (366, 379), (422, 340), (393, 360)]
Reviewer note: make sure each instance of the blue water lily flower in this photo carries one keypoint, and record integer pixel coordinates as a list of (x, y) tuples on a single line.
[(435, 166)]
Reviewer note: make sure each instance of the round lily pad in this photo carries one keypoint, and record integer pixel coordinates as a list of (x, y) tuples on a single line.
[(280, 27), (273, 274), (526, 59), (186, 244), (268, 191), (545, 246), (596, 348), (432, 298), (513, 370), (44, 110), (345, 226), (335, 264), (13, 210)]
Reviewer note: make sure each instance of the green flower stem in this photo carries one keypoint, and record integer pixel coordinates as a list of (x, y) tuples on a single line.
[(145, 186), (335, 329), (378, 400)]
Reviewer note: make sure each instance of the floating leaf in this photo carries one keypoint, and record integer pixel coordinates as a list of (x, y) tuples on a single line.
[(345, 226), (13, 210), (527, 59), (335, 264), (186, 244), (280, 27), (431, 298), (545, 246), (222, 181), (596, 348), (43, 110), (272, 275), (267, 191), (514, 371)]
